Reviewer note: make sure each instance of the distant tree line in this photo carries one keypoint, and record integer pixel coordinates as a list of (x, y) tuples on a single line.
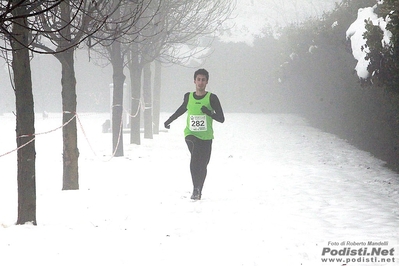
[(309, 69), (320, 82)]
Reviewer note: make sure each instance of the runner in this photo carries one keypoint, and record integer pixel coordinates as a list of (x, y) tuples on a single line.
[(203, 107)]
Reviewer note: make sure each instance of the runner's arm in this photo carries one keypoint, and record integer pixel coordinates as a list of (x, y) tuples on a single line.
[(217, 107), (181, 110)]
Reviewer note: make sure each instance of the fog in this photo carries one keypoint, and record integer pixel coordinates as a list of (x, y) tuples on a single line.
[(298, 165), (93, 81), (250, 72), (251, 16)]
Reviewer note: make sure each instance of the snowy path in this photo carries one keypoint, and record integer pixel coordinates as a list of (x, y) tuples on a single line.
[(277, 192)]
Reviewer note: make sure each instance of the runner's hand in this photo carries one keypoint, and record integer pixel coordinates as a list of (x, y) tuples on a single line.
[(167, 125), (205, 110)]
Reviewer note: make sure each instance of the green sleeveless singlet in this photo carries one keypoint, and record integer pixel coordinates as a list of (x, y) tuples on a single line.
[(198, 123)]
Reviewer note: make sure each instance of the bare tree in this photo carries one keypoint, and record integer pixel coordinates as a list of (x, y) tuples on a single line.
[(23, 26), (25, 116), (158, 33), (66, 26), (175, 35), (16, 26), (135, 92), (130, 18)]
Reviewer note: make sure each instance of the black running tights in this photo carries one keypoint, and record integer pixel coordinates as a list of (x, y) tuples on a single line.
[(200, 155)]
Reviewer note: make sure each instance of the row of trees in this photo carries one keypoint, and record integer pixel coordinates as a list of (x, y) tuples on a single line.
[(310, 70), (127, 33), (320, 82)]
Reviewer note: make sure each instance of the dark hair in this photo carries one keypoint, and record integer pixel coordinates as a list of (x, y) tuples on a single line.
[(201, 72)]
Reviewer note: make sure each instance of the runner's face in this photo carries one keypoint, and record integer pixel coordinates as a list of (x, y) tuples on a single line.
[(200, 82)]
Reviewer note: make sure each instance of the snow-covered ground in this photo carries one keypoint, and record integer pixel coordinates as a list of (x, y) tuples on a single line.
[(278, 192)]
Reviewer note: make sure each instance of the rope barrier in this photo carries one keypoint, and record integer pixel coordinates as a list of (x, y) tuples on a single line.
[(53, 130), (84, 134), (119, 138), (140, 104), (75, 115), (34, 136), (88, 141), (20, 147)]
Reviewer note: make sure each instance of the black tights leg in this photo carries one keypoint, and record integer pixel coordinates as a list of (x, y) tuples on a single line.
[(200, 155)]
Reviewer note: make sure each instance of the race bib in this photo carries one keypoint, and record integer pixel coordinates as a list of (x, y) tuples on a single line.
[(198, 123)]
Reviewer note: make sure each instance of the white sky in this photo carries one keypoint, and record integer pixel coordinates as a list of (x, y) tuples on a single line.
[(251, 16)]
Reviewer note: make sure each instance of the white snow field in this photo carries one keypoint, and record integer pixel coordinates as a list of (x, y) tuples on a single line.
[(278, 192)]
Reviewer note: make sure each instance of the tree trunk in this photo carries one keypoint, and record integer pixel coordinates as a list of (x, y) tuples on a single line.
[(69, 131), (68, 81), (25, 128), (117, 99), (157, 96), (135, 79), (147, 95)]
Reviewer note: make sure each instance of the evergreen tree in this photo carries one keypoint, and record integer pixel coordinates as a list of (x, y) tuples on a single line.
[(384, 64)]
